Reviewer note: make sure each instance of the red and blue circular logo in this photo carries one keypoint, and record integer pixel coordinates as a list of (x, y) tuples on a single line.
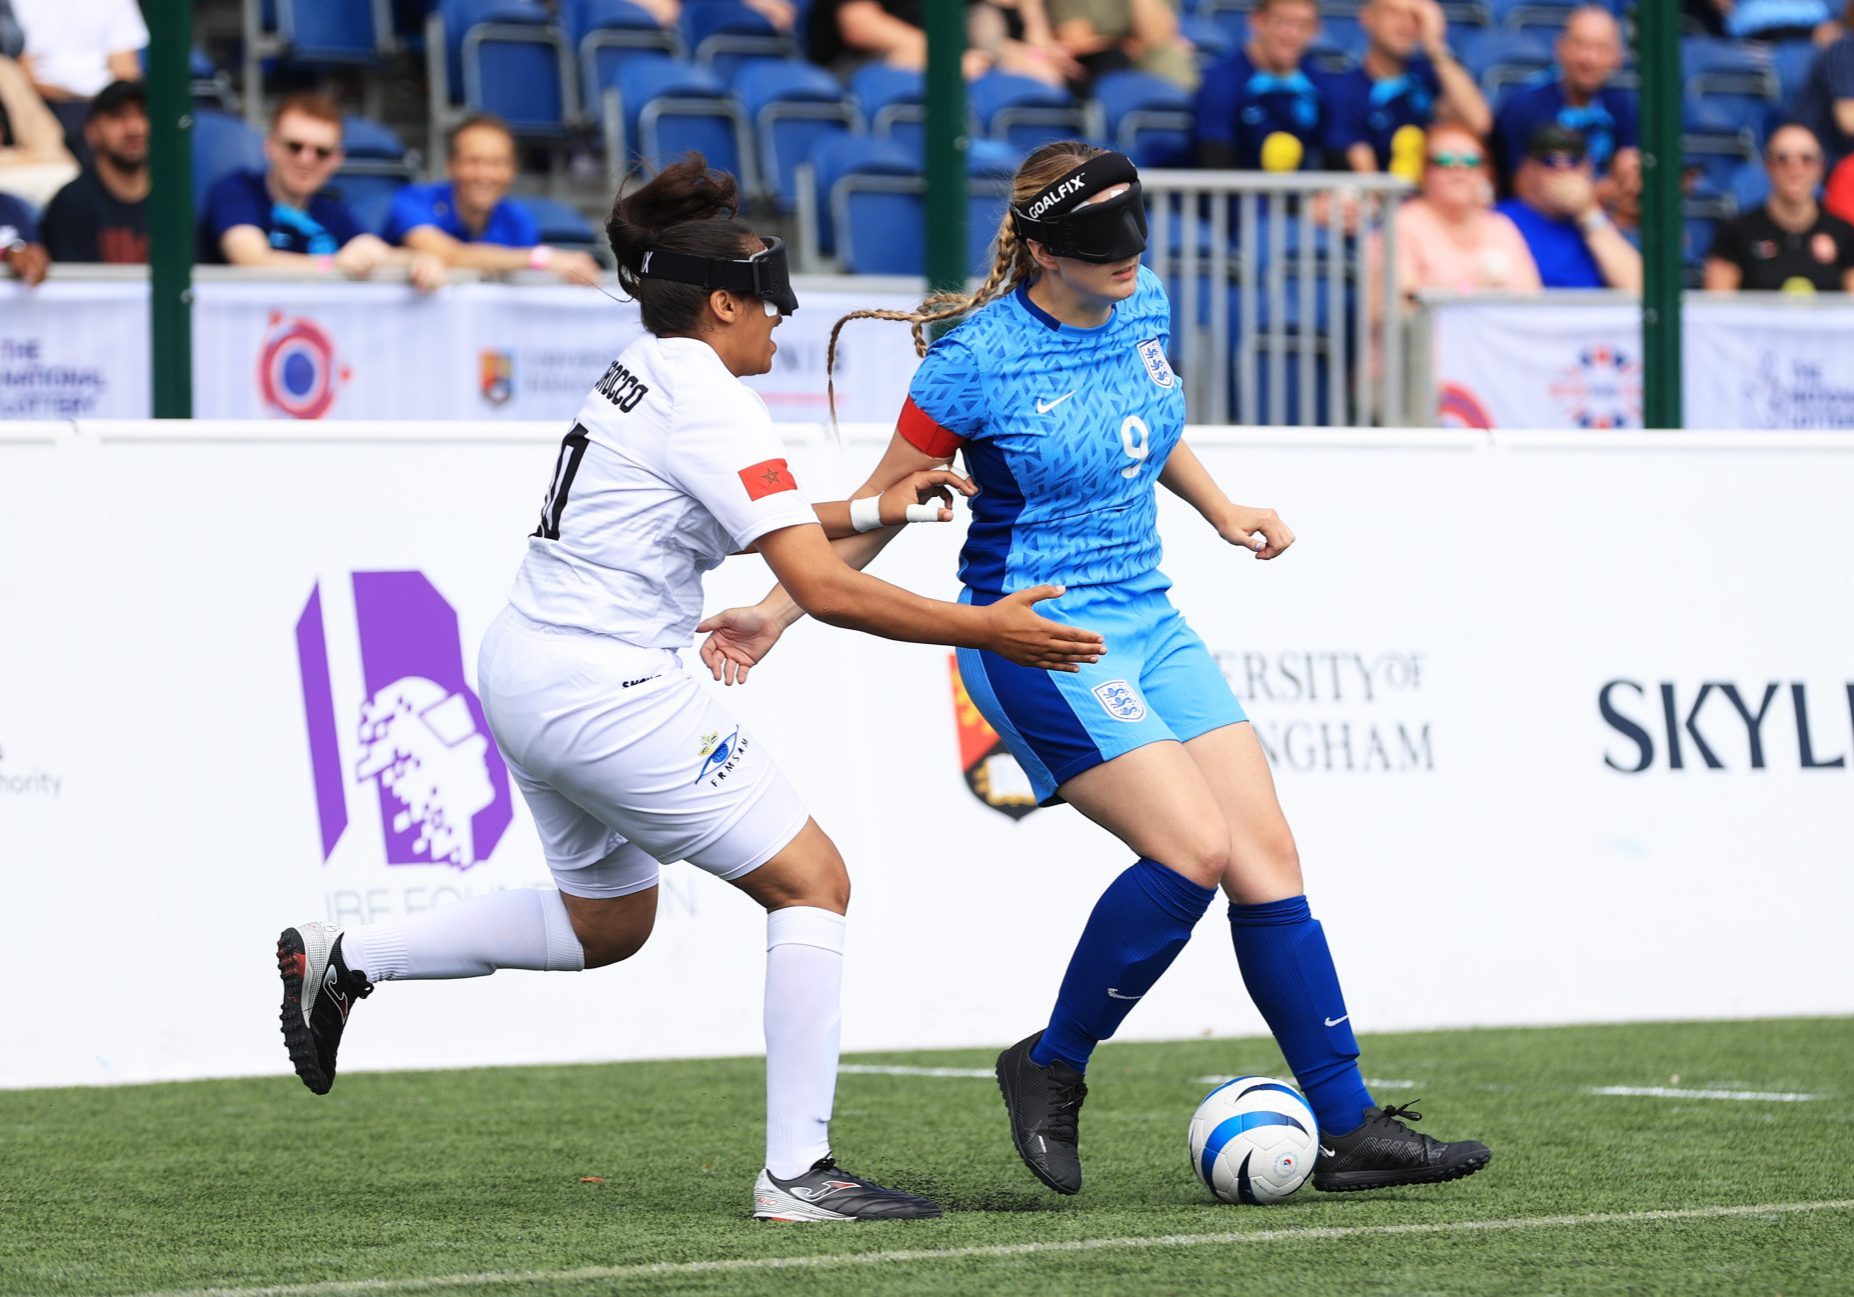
[(298, 372)]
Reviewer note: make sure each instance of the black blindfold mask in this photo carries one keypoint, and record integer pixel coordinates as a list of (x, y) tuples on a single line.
[(1063, 220), (763, 275)]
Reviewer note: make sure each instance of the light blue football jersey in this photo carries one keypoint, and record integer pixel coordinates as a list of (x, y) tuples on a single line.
[(1065, 431)]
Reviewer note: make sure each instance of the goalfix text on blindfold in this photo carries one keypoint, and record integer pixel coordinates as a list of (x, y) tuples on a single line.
[(1063, 220), (763, 275)]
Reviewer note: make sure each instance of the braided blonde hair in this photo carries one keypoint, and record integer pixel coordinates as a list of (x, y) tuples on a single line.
[(1012, 265)]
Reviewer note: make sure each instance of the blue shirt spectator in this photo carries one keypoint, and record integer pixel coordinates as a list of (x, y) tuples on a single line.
[(1825, 104), (508, 224), (318, 229), (1557, 245), (1374, 111), (1579, 98)]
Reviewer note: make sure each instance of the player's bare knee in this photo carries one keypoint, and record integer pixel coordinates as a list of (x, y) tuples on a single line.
[(1204, 862)]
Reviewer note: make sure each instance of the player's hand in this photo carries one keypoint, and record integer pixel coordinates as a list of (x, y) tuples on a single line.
[(921, 488), (1017, 632), (1259, 531), (737, 639)]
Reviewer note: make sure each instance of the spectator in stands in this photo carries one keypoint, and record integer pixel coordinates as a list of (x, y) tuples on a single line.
[(1766, 20), (1408, 80), (1572, 240), (102, 216), (470, 220), (76, 47), (845, 34), (1109, 35), (1449, 237), (1580, 98), (34, 164), (1825, 104), (280, 217), (1789, 244), (1015, 36), (1267, 106), (20, 249)]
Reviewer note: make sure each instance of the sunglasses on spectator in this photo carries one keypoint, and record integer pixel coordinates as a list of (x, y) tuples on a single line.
[(323, 152), (1806, 158), (1448, 161), (1561, 161)]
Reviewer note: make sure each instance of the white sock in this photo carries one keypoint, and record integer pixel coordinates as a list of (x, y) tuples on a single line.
[(804, 988), (528, 928)]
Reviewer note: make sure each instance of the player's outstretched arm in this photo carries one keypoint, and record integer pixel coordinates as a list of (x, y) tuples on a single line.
[(741, 637), (926, 496), (1260, 531), (835, 593)]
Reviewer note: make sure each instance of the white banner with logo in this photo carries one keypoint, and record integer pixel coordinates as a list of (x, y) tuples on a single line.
[(1552, 749), (1767, 361), (74, 350), (271, 349)]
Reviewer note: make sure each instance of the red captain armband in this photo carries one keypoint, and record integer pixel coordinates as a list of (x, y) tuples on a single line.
[(919, 430)]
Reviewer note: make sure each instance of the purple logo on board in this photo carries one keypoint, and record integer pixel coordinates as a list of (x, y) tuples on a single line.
[(421, 737)]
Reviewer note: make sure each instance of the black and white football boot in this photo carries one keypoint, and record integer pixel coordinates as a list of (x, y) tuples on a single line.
[(1044, 1104), (1384, 1153), (828, 1192), (318, 991)]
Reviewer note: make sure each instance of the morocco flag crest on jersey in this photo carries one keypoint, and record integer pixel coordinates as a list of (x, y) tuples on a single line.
[(992, 773)]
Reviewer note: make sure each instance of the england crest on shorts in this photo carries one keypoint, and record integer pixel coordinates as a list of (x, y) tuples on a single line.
[(1121, 701), (1152, 356)]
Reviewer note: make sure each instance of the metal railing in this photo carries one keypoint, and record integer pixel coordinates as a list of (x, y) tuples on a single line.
[(1268, 277)]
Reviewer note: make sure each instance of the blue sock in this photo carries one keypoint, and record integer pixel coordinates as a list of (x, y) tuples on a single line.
[(1282, 952), (1138, 927)]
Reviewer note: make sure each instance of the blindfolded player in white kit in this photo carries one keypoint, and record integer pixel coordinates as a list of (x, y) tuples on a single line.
[(625, 761)]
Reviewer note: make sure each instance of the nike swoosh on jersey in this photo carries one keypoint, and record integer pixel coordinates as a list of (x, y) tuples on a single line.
[(1043, 407), (1334, 1022), (1112, 994)]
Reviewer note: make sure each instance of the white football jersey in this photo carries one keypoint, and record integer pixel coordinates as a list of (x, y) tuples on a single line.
[(672, 465)]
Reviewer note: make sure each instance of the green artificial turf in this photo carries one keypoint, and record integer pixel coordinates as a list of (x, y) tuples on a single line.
[(476, 1181)]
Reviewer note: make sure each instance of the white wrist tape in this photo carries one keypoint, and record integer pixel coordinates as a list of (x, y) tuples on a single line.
[(866, 513)]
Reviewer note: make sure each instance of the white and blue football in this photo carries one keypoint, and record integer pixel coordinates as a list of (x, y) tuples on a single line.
[(1254, 1139)]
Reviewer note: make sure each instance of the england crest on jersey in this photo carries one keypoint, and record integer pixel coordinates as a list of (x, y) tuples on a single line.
[(1120, 701), (1152, 355)]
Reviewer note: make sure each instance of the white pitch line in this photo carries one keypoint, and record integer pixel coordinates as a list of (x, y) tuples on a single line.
[(587, 1274), (1663, 1092), (878, 1069)]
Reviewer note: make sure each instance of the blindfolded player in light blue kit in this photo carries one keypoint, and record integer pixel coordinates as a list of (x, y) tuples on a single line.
[(1057, 391)]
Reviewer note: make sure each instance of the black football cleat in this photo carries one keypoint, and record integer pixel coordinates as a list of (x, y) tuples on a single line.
[(1044, 1104), (828, 1192), (318, 991), (1384, 1153)]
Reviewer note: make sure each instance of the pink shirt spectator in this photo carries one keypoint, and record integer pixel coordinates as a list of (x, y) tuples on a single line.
[(1484, 253)]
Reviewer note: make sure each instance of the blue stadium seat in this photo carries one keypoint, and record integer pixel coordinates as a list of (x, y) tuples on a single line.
[(1341, 32), (1146, 117), (221, 143), (1024, 111), (670, 107), (1212, 40), (835, 157), (1791, 62), (368, 191), (362, 137), (892, 101), (1715, 143), (452, 19), (332, 32), (561, 224), (1749, 187), (1542, 18), (520, 69), (725, 35), (882, 220), (602, 32), (792, 105), (1501, 59)]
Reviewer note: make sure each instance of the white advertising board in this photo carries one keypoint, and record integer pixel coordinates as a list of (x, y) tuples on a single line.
[(1550, 696)]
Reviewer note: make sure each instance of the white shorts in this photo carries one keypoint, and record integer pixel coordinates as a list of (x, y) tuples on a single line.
[(626, 762)]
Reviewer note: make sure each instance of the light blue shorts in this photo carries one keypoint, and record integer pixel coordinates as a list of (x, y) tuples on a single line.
[(1157, 681)]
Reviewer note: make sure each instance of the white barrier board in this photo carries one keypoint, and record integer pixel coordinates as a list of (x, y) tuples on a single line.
[(1581, 703)]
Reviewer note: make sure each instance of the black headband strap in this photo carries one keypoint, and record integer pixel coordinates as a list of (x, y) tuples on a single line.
[(736, 276), (1075, 187)]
